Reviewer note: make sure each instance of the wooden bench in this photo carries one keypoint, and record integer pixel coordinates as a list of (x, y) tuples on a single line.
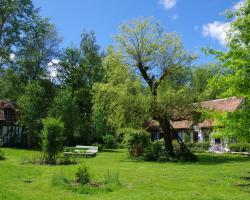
[(89, 151)]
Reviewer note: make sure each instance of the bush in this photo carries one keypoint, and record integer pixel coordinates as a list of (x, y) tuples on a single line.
[(83, 175), (239, 147), (110, 142), (198, 147), (66, 160), (52, 139), (137, 141), (155, 151), (2, 155)]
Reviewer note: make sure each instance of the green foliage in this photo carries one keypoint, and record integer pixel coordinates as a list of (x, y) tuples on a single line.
[(10, 84), (199, 147), (33, 109), (2, 154), (16, 19), (237, 124), (39, 47), (239, 147), (64, 106), (110, 142), (174, 100), (66, 160), (121, 101), (83, 175), (78, 69), (99, 145), (137, 140), (52, 138), (237, 82), (110, 183), (217, 135), (155, 151), (201, 81), (144, 41), (159, 57)]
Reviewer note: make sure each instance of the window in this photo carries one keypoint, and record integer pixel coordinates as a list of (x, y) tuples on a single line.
[(8, 114)]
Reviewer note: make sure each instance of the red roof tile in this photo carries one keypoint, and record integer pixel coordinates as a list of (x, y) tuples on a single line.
[(228, 104), (183, 124), (225, 105)]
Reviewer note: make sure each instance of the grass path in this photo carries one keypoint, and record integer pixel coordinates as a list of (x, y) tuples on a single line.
[(214, 177)]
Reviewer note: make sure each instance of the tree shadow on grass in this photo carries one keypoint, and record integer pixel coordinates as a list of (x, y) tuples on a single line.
[(215, 159), (203, 159)]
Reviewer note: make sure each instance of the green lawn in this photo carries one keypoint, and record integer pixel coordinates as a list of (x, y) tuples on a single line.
[(214, 177)]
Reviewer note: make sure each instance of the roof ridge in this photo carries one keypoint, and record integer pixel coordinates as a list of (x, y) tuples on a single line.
[(234, 97)]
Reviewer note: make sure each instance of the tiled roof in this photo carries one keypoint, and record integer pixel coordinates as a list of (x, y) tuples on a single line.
[(183, 124), (224, 105), (227, 104), (207, 123), (6, 105)]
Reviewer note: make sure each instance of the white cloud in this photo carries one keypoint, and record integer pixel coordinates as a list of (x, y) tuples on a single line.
[(168, 4), (238, 5), (12, 56), (216, 30), (52, 68)]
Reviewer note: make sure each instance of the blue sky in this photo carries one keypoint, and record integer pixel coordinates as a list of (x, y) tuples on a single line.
[(200, 23)]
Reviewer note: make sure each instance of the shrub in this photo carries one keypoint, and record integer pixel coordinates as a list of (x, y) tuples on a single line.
[(110, 142), (137, 141), (155, 151), (66, 160), (83, 175), (52, 139), (2, 155), (239, 147), (198, 147)]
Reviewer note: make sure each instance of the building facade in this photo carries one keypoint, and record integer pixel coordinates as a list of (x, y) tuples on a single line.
[(10, 131), (193, 132)]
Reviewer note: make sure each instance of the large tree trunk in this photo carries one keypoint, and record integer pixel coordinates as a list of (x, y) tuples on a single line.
[(168, 139), (185, 153), (169, 131)]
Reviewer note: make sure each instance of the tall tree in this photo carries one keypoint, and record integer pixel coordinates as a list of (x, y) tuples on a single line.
[(237, 60), (33, 110), (16, 16), (64, 107), (121, 101), (78, 70), (10, 84), (37, 49), (201, 78), (156, 55)]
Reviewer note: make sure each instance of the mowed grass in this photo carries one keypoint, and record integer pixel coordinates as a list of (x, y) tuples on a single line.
[(213, 177)]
